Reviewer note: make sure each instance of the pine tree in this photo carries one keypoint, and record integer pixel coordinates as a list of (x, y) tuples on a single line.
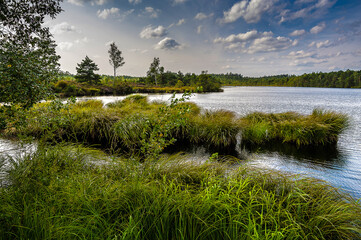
[(85, 71)]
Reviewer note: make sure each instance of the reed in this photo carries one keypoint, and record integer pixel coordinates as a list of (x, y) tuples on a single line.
[(319, 128), (67, 192), (136, 124), (216, 129)]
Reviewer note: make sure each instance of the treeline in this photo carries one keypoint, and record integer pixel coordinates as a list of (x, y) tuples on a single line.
[(340, 79), (203, 83)]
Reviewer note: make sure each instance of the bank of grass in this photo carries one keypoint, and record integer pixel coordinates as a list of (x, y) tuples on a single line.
[(318, 128), (124, 126), (72, 192)]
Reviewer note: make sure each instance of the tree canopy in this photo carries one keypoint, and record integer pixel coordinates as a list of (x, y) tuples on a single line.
[(28, 61), (85, 71)]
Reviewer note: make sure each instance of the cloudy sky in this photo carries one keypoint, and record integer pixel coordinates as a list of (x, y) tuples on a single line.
[(250, 37)]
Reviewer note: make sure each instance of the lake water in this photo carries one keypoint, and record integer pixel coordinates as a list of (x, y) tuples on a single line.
[(339, 165)]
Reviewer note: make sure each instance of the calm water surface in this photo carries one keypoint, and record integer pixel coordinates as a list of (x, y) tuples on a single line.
[(340, 165)]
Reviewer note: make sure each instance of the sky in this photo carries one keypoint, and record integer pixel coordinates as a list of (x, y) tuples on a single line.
[(249, 37)]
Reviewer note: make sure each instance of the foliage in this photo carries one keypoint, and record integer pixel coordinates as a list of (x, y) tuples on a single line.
[(85, 71), (340, 79), (62, 192), (115, 59), (28, 61), (154, 70), (153, 134)]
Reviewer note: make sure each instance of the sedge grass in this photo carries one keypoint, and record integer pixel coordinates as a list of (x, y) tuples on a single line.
[(319, 128), (57, 193), (124, 125)]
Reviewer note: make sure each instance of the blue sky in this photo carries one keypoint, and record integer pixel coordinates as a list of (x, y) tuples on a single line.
[(250, 37)]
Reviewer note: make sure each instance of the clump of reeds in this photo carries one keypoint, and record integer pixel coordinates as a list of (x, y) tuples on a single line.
[(136, 124), (60, 192), (319, 128), (218, 129)]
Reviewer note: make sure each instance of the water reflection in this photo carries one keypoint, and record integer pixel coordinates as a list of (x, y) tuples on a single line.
[(329, 156)]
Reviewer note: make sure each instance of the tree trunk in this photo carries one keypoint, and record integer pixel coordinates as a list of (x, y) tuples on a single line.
[(115, 74)]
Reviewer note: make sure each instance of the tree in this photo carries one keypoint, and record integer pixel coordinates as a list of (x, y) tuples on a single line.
[(85, 71), (28, 61), (115, 59), (154, 69)]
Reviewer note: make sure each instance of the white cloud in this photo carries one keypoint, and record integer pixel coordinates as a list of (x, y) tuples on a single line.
[(226, 67), (168, 44), (199, 29), (63, 27), (150, 32), (92, 2), (297, 33), (271, 44), (179, 1), (106, 13), (301, 54), (181, 21), (135, 1), (65, 45), (307, 62), (242, 37), (202, 16), (319, 28), (323, 44), (250, 10), (153, 13), (254, 41), (137, 50), (83, 40)]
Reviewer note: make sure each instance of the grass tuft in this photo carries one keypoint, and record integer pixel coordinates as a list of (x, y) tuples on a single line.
[(61, 192)]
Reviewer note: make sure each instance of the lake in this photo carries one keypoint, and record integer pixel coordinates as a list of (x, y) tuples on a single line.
[(340, 165)]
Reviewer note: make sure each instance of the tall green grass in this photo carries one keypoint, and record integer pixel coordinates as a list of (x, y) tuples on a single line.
[(137, 125), (61, 192), (319, 128)]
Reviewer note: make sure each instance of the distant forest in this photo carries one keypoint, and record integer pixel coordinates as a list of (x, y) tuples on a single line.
[(340, 79)]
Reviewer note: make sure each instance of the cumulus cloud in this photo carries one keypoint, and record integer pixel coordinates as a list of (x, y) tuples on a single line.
[(181, 21), (153, 13), (319, 28), (149, 32), (271, 44), (254, 41), (135, 1), (307, 62), (168, 44), (202, 16), (92, 2), (243, 37), (65, 45), (297, 33), (106, 13), (250, 10), (301, 54), (326, 43), (63, 27)]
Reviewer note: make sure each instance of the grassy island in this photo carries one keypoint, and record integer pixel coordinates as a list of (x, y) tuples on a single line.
[(69, 191)]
